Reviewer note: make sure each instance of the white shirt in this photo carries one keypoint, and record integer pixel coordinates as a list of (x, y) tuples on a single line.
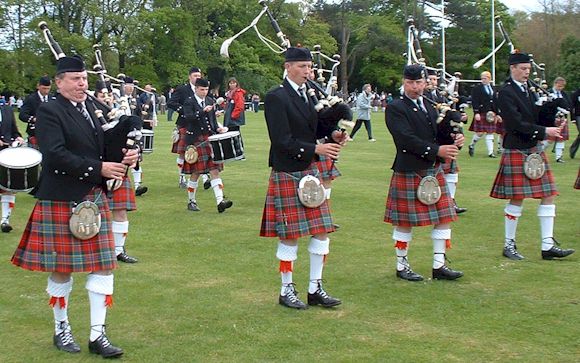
[(296, 87)]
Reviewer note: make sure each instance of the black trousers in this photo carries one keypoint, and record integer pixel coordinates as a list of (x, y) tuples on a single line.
[(358, 125)]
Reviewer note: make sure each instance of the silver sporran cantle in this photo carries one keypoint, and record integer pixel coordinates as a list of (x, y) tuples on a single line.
[(534, 166), (311, 192), (85, 220), (429, 191), (490, 117)]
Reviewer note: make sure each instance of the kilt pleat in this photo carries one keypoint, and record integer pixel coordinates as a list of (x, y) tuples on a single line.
[(204, 161), (124, 197), (327, 168), (512, 183), (284, 216), (48, 245), (179, 146), (405, 210), (483, 126)]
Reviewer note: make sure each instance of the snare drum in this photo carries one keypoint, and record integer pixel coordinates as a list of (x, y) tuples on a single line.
[(147, 140), (19, 168), (226, 147)]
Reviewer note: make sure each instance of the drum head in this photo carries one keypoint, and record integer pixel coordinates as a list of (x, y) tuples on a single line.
[(147, 132), (225, 135), (20, 157)]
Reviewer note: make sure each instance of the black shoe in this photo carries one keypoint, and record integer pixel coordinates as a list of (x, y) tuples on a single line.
[(556, 252), (336, 226), (320, 297), (445, 273), (207, 184), (104, 348), (224, 204), (511, 251), (141, 190), (66, 342), (492, 156), (192, 206), (409, 275), (291, 300), (560, 160), (459, 210), (471, 150), (123, 257), (6, 227)]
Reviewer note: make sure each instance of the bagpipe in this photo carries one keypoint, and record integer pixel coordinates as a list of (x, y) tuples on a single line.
[(451, 117), (120, 131), (332, 110)]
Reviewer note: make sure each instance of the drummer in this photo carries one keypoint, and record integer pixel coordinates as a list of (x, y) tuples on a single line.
[(9, 136), (200, 122)]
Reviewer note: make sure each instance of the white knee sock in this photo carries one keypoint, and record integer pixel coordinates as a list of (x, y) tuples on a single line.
[(512, 214), (191, 190), (475, 138), (218, 190), (318, 250), (180, 162), (402, 241), (327, 193), (451, 181), (560, 149), (440, 238), (7, 206), (59, 294), (137, 177), (100, 289), (204, 177), (287, 255), (120, 230), (489, 143), (547, 214)]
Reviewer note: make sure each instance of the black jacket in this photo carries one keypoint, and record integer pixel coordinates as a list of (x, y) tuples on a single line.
[(29, 109), (481, 101), (199, 124), (414, 134), (520, 117), (8, 129), (177, 100), (72, 151), (292, 127)]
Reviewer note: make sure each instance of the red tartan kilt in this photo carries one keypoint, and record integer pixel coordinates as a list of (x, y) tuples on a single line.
[(327, 168), (179, 146), (577, 185), (482, 125), (565, 132), (512, 183), (284, 216), (405, 210), (204, 161), (48, 245), (124, 197), (450, 167)]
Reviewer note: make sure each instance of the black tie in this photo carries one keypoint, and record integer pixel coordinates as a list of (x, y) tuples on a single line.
[(489, 90), (421, 106), (303, 94), (525, 88), (85, 113)]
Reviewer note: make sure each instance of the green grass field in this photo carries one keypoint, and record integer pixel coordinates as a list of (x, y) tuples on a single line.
[(206, 286)]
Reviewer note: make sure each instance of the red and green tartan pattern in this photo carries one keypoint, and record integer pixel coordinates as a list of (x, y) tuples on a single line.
[(284, 216), (482, 125), (179, 146), (48, 245), (450, 167), (565, 133), (499, 129), (327, 168), (124, 197), (405, 210), (204, 161), (512, 183)]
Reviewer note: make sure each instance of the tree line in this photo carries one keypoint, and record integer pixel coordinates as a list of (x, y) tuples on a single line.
[(157, 41)]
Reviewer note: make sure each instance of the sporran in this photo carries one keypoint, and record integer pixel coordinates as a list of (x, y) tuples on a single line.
[(85, 220), (191, 154), (428, 191), (534, 166), (490, 117), (311, 192)]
